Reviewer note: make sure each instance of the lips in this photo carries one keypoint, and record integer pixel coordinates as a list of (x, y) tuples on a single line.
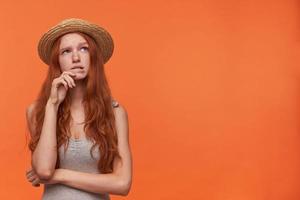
[(77, 67)]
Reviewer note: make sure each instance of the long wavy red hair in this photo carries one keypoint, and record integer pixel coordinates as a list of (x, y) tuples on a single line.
[(99, 122)]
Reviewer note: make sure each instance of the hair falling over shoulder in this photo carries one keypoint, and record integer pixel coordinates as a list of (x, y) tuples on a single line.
[(99, 115)]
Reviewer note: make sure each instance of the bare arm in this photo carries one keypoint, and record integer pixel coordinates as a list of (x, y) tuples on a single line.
[(118, 182), (43, 159)]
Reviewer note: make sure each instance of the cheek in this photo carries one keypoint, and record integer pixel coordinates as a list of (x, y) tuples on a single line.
[(63, 62), (86, 59)]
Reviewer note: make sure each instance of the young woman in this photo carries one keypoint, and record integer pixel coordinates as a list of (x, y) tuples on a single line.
[(79, 133)]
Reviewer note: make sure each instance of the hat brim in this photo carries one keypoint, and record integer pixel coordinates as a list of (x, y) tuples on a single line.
[(102, 38)]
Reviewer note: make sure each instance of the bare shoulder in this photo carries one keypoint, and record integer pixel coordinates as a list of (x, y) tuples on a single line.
[(120, 111), (121, 117), (30, 107), (29, 117)]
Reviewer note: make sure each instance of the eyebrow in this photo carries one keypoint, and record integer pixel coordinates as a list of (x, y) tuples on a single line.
[(81, 43)]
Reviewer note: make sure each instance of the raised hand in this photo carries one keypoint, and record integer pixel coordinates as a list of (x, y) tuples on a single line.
[(60, 87)]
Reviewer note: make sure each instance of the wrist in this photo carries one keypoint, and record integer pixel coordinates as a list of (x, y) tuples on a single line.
[(59, 176), (52, 105)]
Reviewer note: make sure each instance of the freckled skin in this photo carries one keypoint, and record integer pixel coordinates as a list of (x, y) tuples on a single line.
[(73, 51)]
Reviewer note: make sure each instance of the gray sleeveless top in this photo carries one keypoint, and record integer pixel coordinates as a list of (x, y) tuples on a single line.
[(77, 158)]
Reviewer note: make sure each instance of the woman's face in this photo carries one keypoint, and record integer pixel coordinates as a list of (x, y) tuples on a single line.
[(74, 55)]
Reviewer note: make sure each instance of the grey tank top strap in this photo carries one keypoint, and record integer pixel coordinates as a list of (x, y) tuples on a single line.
[(115, 103)]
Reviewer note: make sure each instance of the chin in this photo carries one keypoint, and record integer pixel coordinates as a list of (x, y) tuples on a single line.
[(80, 77)]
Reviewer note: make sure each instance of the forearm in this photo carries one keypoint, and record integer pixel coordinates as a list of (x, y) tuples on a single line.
[(45, 155), (96, 183)]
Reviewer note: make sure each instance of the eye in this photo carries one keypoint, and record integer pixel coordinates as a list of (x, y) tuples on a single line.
[(65, 51), (84, 48)]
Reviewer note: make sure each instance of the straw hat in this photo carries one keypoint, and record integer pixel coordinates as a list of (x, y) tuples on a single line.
[(102, 38)]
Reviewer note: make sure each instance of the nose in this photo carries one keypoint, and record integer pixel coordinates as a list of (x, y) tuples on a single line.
[(75, 57)]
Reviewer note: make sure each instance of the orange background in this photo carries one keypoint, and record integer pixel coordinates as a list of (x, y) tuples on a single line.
[(212, 90)]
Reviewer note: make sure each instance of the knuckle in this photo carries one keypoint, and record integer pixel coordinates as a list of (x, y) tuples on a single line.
[(54, 82)]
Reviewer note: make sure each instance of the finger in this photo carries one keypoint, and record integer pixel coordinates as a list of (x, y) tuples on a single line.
[(28, 171), (30, 175), (56, 82), (36, 182), (63, 82), (31, 179), (70, 79), (70, 73)]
